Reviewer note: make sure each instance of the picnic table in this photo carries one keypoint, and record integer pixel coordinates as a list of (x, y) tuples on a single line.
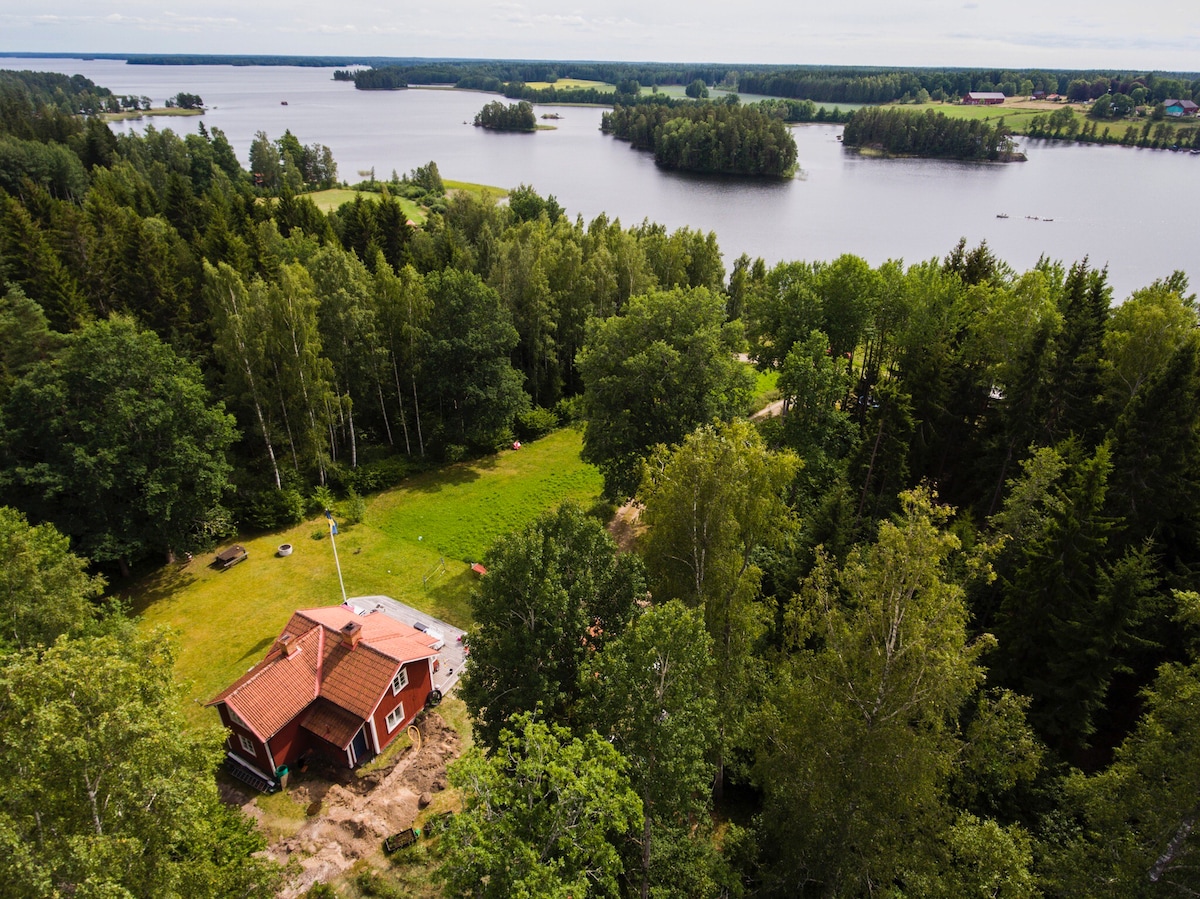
[(227, 558)]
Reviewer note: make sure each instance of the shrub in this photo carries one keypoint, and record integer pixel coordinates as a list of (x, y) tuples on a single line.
[(269, 510), (371, 477), (321, 891), (534, 423), (569, 409), (454, 452), (371, 883), (354, 509), (320, 499)]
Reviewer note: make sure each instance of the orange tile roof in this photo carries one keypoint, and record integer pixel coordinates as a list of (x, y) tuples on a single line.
[(334, 725), (322, 665)]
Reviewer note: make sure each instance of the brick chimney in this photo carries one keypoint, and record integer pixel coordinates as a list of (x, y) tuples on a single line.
[(288, 645), (351, 633)]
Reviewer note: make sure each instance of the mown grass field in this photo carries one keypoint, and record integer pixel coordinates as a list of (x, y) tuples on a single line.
[(328, 200), (223, 621), (572, 84), (127, 114), (480, 190), (1016, 116)]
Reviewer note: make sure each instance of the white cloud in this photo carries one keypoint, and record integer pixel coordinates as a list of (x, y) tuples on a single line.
[(1099, 33)]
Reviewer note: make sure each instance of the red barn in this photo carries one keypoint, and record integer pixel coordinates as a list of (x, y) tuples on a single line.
[(335, 683), (983, 98)]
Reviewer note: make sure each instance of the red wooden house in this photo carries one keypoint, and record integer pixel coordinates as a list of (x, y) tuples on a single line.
[(335, 683)]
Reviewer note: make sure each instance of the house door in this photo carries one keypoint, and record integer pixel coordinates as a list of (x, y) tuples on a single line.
[(361, 746)]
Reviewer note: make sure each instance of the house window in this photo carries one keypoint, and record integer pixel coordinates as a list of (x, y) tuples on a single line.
[(400, 681), (247, 744), (234, 717), (395, 717)]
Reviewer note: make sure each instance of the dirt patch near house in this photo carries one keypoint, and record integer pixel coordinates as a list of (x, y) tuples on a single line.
[(626, 525), (355, 813)]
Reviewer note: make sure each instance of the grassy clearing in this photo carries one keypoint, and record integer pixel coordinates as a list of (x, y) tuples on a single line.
[(480, 190), (328, 200), (766, 390), (1016, 115), (153, 111), (572, 84), (224, 621)]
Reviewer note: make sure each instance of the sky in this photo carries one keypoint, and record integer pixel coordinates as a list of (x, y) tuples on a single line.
[(1106, 34)]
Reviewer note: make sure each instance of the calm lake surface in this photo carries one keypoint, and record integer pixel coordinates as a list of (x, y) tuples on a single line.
[(1132, 210)]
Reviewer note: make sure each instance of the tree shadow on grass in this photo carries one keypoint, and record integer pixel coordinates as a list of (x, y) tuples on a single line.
[(257, 649), (452, 476), (167, 582)]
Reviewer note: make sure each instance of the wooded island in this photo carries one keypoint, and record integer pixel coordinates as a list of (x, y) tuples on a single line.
[(929, 629)]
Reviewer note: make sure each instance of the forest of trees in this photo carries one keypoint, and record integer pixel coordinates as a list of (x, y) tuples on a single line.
[(900, 132), (497, 116), (932, 631), (384, 79), (720, 137), (26, 97), (823, 84)]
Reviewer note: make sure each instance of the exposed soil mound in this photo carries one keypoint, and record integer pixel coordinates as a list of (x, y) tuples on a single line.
[(357, 812)]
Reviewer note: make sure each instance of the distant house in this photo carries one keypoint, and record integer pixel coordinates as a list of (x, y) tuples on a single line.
[(1177, 108), (983, 98), (335, 683)]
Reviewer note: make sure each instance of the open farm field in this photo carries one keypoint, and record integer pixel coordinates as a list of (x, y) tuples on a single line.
[(430, 527), (1017, 115), (572, 84)]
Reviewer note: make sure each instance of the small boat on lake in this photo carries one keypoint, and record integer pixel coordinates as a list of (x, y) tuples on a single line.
[(1001, 215)]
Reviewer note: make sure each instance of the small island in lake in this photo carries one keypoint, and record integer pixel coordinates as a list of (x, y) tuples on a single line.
[(497, 116), (899, 132), (715, 138)]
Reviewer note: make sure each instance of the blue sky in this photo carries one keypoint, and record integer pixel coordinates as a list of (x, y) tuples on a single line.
[(1153, 34)]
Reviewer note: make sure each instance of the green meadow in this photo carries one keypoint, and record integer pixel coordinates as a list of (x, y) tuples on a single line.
[(572, 84), (328, 200), (414, 544), (1015, 117)]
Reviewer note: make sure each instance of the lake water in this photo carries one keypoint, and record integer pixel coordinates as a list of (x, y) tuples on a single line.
[(1132, 210)]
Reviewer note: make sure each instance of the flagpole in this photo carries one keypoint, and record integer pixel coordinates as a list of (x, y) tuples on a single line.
[(333, 543)]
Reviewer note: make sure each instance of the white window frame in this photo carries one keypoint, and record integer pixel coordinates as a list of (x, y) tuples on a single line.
[(395, 718), (234, 717), (400, 681), (248, 745)]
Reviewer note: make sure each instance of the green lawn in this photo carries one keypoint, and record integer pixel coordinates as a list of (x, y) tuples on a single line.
[(126, 114), (1018, 114), (572, 84), (1015, 117), (766, 389), (328, 200), (224, 621), (480, 190)]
